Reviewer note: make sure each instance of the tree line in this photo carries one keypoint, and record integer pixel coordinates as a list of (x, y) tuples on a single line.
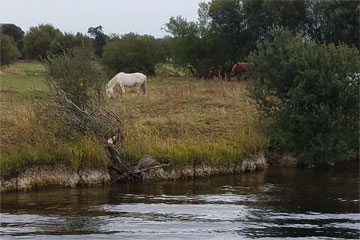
[(129, 52), (225, 32)]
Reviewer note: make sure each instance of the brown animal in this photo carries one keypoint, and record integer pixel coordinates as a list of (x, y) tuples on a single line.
[(239, 68), (215, 72)]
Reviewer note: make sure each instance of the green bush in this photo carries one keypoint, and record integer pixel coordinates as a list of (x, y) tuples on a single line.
[(9, 51), (312, 94), (68, 41), (16, 33), (76, 75), (38, 41), (132, 53)]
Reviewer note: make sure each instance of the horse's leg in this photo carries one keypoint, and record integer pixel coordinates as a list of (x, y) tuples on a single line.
[(138, 90), (143, 87), (122, 90)]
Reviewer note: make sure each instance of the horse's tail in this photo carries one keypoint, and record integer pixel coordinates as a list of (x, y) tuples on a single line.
[(143, 86)]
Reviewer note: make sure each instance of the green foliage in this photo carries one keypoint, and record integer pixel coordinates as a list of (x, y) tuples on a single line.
[(16, 33), (311, 92), (189, 48), (9, 51), (343, 24), (333, 21), (99, 39), (76, 75), (79, 153), (24, 68), (68, 41), (228, 21), (227, 31), (132, 53), (38, 41)]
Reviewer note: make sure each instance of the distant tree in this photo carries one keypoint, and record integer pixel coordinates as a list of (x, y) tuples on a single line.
[(99, 39), (311, 92), (343, 24), (333, 21), (226, 31), (16, 33), (165, 45), (9, 51), (38, 41), (189, 50), (68, 41), (132, 53), (229, 23)]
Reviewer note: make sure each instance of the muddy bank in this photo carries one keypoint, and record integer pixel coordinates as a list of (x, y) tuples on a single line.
[(51, 176), (253, 163), (60, 176)]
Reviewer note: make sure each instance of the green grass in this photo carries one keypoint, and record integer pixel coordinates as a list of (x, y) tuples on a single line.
[(22, 83), (168, 70), (24, 68)]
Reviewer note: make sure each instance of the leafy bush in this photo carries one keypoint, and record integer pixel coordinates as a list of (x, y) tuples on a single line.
[(68, 41), (9, 51), (38, 41), (16, 33), (76, 75), (132, 53), (312, 93)]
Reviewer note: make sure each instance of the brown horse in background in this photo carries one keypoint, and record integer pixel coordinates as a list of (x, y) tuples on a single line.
[(216, 72), (239, 68)]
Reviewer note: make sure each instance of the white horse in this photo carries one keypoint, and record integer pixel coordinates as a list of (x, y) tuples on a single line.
[(126, 80)]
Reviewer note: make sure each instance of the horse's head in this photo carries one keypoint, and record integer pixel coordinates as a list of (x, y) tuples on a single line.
[(234, 70), (239, 68), (109, 92)]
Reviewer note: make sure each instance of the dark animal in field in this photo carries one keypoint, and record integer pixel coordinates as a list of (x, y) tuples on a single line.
[(239, 68), (216, 73)]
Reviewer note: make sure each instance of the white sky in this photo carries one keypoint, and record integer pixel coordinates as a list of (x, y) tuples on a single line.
[(116, 16)]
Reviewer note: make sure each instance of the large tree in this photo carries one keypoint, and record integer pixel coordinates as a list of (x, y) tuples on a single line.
[(38, 41), (9, 51), (188, 47), (68, 41), (333, 21), (132, 53), (16, 33), (99, 39)]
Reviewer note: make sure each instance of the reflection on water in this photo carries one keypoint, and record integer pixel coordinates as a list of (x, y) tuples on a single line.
[(274, 203)]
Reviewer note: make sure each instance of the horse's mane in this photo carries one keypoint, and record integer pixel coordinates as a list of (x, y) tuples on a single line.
[(112, 82)]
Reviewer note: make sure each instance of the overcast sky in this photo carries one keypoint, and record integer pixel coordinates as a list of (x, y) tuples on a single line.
[(116, 16)]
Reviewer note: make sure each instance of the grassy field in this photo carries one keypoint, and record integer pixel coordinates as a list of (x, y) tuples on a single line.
[(178, 121)]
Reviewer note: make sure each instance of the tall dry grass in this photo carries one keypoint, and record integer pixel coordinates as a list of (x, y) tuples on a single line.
[(185, 120), (29, 139), (178, 121)]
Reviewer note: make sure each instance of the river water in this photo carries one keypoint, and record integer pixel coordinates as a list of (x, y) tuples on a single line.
[(271, 204)]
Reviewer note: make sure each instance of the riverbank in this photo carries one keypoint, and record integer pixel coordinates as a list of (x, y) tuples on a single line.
[(62, 176), (181, 122)]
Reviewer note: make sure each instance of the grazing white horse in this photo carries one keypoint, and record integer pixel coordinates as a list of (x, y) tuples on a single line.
[(126, 80)]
